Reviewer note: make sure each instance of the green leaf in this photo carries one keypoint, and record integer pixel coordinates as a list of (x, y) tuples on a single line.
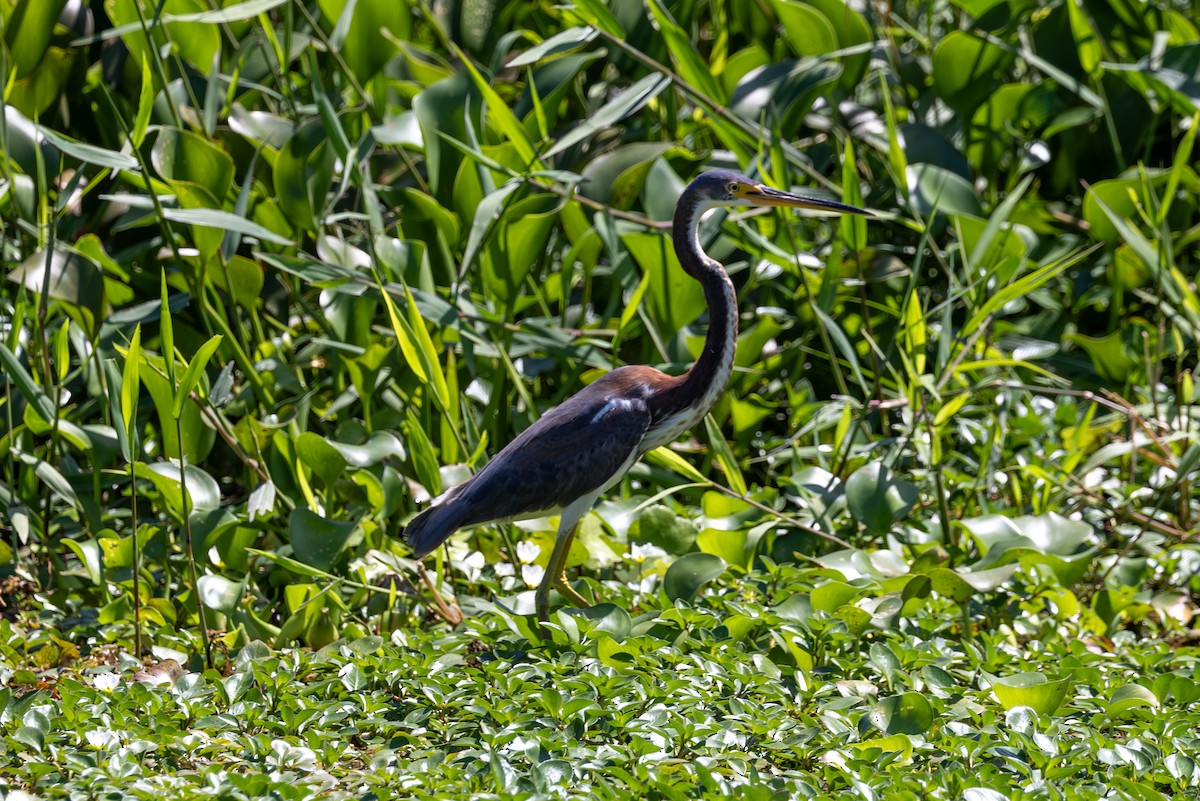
[(689, 573), (73, 279), (303, 174), (1131, 696), (130, 388), (318, 541), (195, 369), (91, 154), (659, 526), (321, 456), (219, 593), (730, 546), (627, 102), (27, 33), (877, 499), (689, 64), (184, 157), (833, 595), (225, 221), (725, 457), (963, 70), (909, 713), (204, 494), (1033, 690), (88, 552), (30, 390), (365, 50)]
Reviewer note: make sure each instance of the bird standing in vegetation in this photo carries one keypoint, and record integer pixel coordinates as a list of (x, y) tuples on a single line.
[(577, 450)]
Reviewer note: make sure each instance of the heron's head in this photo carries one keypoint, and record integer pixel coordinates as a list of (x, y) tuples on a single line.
[(724, 188)]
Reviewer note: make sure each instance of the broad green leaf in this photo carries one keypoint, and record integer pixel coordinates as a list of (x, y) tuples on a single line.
[(1033, 690), (318, 541), (203, 492), (1131, 696), (184, 156), (964, 66), (88, 552), (219, 593), (321, 456), (659, 526), (73, 279), (303, 174), (689, 573), (877, 499), (832, 595), (730, 546), (909, 713)]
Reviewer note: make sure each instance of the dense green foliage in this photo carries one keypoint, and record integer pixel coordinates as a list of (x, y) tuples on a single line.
[(314, 261)]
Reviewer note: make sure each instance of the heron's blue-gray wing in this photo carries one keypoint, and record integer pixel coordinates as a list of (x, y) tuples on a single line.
[(574, 450)]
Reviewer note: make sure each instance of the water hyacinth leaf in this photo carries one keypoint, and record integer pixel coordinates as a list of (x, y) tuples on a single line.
[(182, 156), (661, 527), (1131, 696), (731, 546), (908, 713), (88, 552), (318, 541), (950, 584), (606, 619), (877, 499), (689, 573), (219, 593), (303, 174), (320, 456), (832, 595), (73, 279), (1033, 690), (963, 69), (203, 492), (379, 446), (673, 299), (789, 89), (523, 231)]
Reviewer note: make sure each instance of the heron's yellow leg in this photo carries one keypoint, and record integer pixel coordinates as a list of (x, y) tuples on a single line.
[(556, 577)]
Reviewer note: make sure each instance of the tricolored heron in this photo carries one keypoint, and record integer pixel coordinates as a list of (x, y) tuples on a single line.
[(577, 450)]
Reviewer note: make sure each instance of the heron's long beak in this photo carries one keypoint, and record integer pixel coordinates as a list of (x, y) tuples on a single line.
[(761, 195)]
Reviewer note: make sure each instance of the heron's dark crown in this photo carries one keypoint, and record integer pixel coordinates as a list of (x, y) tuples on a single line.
[(715, 185)]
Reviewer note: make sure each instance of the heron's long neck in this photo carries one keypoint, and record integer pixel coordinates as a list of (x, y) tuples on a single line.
[(706, 379)]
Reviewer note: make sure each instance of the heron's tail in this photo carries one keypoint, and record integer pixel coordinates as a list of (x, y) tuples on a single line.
[(434, 526)]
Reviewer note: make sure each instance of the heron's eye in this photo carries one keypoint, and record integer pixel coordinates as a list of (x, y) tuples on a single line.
[(733, 188)]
